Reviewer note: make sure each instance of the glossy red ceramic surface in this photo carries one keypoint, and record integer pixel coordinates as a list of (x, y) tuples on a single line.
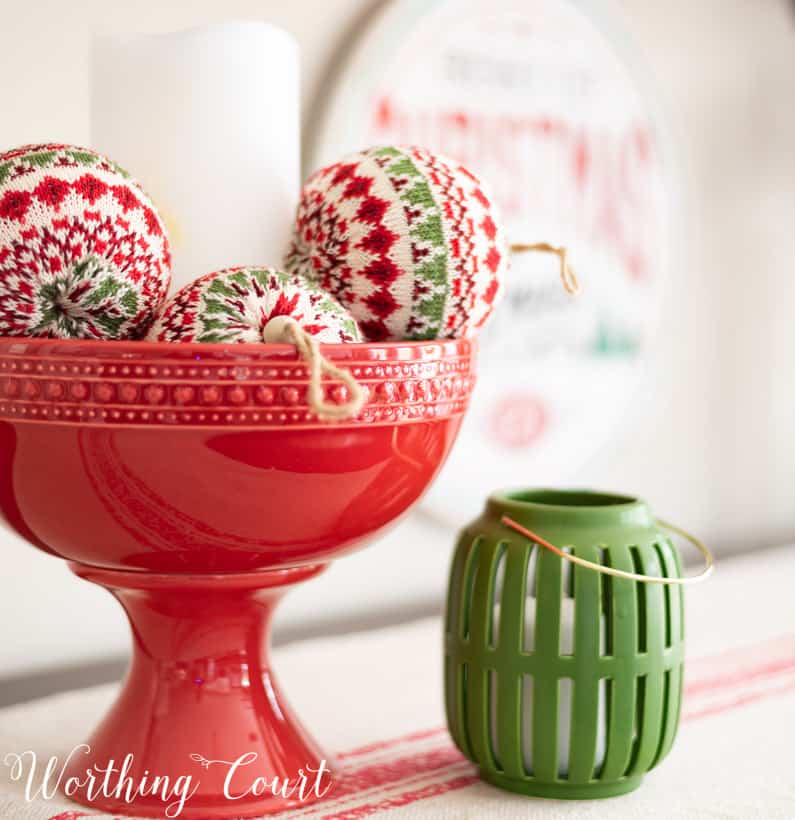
[(195, 484)]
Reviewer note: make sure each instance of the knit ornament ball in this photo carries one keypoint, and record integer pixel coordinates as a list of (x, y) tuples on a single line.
[(407, 240), (266, 305), (248, 305), (83, 252)]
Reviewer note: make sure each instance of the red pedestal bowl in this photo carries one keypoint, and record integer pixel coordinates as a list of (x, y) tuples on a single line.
[(193, 482)]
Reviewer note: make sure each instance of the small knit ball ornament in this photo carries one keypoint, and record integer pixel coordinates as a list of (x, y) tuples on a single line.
[(239, 304), (267, 305), (83, 252), (407, 240)]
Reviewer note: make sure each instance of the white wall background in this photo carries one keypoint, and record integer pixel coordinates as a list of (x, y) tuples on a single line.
[(712, 441)]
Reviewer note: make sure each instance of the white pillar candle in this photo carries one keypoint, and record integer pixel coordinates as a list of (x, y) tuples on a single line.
[(208, 121), (565, 692)]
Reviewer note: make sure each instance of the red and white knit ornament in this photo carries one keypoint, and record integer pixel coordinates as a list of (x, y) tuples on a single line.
[(83, 252), (265, 305), (406, 239), (238, 305)]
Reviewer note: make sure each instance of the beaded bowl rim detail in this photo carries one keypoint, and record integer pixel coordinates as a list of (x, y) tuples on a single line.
[(131, 383)]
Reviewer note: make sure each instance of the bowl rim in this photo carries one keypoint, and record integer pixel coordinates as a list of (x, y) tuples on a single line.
[(85, 348), (205, 385)]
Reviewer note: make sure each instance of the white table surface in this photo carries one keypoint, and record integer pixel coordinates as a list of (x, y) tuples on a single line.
[(376, 698)]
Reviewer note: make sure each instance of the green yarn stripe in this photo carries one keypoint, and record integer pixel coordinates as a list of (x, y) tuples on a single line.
[(427, 237)]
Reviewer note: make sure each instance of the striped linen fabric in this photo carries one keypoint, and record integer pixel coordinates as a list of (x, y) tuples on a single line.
[(731, 758)]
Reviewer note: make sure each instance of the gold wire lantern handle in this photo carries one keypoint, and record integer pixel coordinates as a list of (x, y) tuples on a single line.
[(619, 573), (567, 275)]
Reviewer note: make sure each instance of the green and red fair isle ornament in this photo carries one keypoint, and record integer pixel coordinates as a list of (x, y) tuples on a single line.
[(83, 252), (406, 239), (240, 305)]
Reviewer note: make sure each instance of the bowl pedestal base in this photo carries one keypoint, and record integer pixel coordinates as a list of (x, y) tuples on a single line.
[(200, 701)]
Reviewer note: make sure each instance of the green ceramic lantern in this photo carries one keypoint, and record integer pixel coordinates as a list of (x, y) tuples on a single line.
[(561, 681)]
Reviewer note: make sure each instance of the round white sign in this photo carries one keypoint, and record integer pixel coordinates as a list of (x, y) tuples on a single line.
[(535, 99)]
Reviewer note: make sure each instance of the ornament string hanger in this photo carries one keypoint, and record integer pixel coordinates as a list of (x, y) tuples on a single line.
[(567, 275), (285, 329)]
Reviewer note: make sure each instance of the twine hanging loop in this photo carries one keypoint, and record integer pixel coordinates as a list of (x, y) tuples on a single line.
[(285, 329), (567, 276)]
